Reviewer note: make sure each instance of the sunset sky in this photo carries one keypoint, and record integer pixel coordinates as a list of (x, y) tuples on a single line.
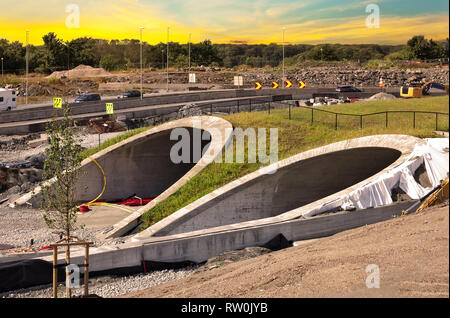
[(227, 21)]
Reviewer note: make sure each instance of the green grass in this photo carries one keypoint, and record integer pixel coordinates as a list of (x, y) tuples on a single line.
[(298, 135), (91, 151)]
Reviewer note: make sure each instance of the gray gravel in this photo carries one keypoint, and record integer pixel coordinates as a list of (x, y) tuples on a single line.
[(108, 286), (19, 225)]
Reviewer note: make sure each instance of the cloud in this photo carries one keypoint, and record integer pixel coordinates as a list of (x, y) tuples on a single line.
[(224, 21)]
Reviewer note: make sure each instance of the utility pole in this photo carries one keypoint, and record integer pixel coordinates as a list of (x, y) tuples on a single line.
[(2, 67), (189, 52), (162, 59), (26, 71), (68, 58), (168, 29), (141, 28), (284, 78)]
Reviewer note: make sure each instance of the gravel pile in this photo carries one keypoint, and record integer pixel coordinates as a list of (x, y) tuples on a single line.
[(108, 286)]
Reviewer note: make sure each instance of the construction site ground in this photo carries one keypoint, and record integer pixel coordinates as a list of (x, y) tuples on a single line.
[(412, 253)]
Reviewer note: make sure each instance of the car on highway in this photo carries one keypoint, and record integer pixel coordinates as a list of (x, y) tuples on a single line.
[(87, 98), (345, 89), (129, 94)]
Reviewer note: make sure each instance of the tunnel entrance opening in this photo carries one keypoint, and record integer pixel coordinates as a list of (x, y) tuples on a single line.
[(291, 187), (142, 168)]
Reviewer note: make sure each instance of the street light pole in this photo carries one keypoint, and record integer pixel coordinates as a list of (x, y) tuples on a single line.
[(189, 52), (141, 28), (26, 85), (168, 28), (284, 78), (2, 67)]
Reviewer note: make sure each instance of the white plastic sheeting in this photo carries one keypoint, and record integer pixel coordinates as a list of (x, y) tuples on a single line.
[(434, 154)]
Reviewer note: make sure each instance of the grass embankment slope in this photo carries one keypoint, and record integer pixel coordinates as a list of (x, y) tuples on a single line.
[(299, 134)]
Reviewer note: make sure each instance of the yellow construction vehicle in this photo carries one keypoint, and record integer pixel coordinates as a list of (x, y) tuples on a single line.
[(417, 92)]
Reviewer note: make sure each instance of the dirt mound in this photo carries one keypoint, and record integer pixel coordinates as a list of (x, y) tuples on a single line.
[(81, 71), (382, 96), (411, 253)]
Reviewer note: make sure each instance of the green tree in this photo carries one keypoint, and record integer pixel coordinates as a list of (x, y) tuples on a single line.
[(57, 51), (61, 172)]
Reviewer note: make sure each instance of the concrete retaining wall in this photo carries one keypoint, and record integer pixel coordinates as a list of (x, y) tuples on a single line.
[(291, 187)]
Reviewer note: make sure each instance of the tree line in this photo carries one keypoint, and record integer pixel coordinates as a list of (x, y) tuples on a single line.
[(56, 54)]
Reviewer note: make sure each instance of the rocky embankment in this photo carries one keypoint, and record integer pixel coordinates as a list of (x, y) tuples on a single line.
[(313, 76), (357, 76)]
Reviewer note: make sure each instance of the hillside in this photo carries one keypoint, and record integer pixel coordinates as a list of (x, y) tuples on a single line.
[(411, 252)]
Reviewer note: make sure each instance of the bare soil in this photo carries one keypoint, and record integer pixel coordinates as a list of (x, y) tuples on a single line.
[(412, 253)]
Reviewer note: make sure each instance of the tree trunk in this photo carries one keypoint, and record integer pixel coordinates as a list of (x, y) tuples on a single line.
[(68, 291)]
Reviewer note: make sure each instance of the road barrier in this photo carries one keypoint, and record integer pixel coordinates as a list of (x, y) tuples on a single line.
[(386, 119)]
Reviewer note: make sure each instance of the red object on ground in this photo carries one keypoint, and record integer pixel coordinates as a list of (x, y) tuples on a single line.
[(84, 208), (136, 202), (45, 248)]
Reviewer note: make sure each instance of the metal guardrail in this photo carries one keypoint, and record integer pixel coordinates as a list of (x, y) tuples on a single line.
[(251, 105)]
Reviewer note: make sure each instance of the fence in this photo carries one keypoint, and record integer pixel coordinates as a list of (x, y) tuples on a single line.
[(386, 119)]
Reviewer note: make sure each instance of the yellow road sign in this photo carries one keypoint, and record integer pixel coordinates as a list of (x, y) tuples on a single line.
[(258, 85), (288, 84), (275, 84), (302, 85), (109, 108), (57, 102)]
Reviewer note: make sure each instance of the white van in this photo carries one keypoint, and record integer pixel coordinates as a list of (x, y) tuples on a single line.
[(7, 99)]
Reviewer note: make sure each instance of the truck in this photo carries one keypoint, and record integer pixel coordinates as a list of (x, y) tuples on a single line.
[(8, 99)]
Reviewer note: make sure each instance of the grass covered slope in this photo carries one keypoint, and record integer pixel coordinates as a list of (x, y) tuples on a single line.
[(299, 134)]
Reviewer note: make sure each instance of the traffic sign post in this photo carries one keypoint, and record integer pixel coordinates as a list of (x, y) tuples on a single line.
[(192, 78), (109, 108), (238, 81), (57, 102), (288, 84), (258, 85), (301, 85), (275, 85)]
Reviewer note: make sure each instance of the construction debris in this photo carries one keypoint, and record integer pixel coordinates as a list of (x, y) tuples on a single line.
[(104, 125), (439, 197)]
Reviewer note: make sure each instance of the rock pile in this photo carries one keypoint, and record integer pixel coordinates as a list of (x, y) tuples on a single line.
[(335, 76)]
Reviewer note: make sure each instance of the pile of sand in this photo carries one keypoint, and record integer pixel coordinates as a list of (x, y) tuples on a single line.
[(382, 96), (81, 71)]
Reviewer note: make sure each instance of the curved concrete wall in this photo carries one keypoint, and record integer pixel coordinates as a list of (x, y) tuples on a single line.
[(141, 165), (300, 183), (291, 187)]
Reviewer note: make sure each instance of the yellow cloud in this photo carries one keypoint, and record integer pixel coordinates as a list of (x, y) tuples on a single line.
[(119, 19)]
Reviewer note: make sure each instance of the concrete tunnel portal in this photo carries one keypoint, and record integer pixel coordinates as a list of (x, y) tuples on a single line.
[(292, 186), (142, 168)]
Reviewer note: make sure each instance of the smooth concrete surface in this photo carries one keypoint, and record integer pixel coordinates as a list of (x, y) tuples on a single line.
[(291, 187), (141, 165), (101, 217), (201, 245)]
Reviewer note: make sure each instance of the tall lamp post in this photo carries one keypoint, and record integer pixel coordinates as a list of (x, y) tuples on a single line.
[(189, 52), (168, 29), (141, 28), (2, 67), (26, 71), (284, 78)]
